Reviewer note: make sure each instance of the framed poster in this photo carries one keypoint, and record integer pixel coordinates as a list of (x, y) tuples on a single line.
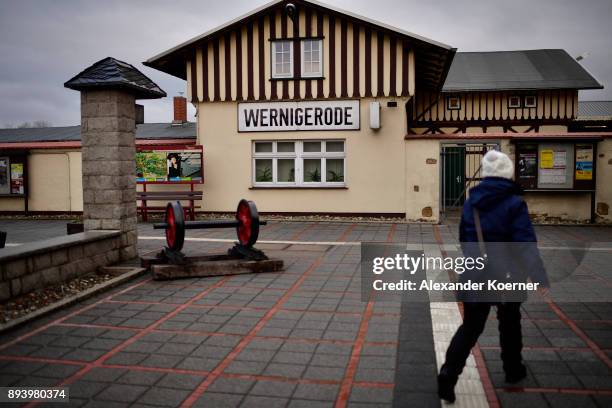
[(5, 187), (169, 165), (584, 162), (527, 166), (556, 165), (17, 186)]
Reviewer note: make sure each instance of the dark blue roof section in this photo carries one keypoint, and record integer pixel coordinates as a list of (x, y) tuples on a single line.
[(517, 70), (112, 73), (594, 109), (73, 133)]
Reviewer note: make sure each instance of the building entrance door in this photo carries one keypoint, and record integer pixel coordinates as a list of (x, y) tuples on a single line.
[(460, 171)]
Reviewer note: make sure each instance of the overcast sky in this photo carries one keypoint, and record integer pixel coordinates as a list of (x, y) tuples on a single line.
[(44, 43)]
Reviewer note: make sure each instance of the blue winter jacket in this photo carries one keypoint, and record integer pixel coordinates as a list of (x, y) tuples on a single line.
[(504, 219)]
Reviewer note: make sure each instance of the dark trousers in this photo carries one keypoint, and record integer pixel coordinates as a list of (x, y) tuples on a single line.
[(474, 320)]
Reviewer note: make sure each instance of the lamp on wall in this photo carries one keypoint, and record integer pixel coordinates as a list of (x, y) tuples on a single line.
[(291, 11), (375, 115)]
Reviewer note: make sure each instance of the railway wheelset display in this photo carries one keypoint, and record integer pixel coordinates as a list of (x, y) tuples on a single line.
[(243, 257)]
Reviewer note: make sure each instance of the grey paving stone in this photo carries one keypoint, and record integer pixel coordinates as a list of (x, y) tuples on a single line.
[(597, 382), (285, 370), (121, 393), (295, 403), (140, 377), (122, 358), (569, 401), (290, 357), (522, 400), (324, 373), (176, 349), (166, 397), (143, 346), (371, 395), (557, 381), (317, 392), (330, 360), (57, 370), (50, 352), (254, 401), (98, 374), (162, 361), (245, 367), (261, 355), (180, 381), (231, 385), (83, 355), (330, 348), (199, 364), (375, 375), (218, 400), (548, 367), (273, 389)]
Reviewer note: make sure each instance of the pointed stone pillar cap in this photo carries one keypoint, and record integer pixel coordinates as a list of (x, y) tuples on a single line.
[(111, 73)]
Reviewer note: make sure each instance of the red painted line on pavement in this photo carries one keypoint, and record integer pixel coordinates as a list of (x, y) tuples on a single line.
[(156, 369), (349, 375), (68, 316), (346, 233), (351, 370), (391, 233), (216, 372), (100, 326), (578, 331), (29, 359)]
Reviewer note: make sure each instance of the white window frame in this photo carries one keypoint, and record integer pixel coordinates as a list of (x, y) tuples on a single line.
[(273, 59), (302, 60), (530, 105), (517, 106), (450, 106), (299, 156)]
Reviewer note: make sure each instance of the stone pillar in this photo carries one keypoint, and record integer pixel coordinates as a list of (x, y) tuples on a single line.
[(109, 169)]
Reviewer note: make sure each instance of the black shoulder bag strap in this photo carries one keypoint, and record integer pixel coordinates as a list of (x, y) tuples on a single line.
[(481, 241)]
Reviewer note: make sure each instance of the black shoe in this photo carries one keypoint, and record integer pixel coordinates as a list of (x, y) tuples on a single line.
[(446, 386), (516, 374)]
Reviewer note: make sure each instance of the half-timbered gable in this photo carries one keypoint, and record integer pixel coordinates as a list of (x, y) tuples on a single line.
[(354, 57)]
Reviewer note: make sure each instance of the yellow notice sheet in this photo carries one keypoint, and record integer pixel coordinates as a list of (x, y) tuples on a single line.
[(546, 159)]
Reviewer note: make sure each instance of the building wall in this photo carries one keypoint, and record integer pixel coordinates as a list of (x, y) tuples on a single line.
[(55, 183), (422, 180), (375, 165)]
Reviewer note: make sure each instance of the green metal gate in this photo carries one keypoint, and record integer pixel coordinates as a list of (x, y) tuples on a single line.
[(460, 171), (453, 165)]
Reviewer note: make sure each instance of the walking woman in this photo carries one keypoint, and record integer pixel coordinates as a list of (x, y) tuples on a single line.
[(494, 212)]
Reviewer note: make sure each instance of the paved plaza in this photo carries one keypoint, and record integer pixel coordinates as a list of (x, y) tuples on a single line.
[(302, 337)]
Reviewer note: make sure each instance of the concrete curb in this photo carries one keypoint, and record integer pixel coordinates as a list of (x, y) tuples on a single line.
[(71, 300)]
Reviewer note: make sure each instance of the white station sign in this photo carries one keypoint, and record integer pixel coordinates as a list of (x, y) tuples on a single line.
[(287, 116)]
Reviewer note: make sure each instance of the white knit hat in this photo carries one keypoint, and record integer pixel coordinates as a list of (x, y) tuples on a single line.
[(497, 164)]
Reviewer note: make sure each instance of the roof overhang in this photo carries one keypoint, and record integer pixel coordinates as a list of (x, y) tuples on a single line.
[(76, 144), (552, 136), (434, 58)]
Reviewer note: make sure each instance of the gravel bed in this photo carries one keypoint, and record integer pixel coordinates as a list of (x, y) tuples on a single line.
[(33, 301)]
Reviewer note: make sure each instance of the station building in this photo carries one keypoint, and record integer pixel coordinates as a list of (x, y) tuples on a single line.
[(307, 109)]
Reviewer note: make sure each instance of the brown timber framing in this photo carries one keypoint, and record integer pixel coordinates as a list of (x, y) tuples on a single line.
[(490, 108), (360, 58)]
